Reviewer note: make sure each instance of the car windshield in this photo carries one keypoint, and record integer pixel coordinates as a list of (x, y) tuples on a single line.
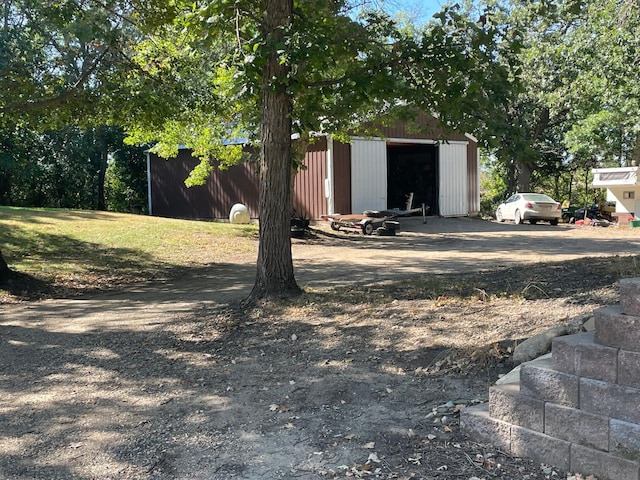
[(537, 197)]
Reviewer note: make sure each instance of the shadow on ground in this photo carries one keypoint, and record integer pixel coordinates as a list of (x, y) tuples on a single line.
[(173, 380), (214, 395)]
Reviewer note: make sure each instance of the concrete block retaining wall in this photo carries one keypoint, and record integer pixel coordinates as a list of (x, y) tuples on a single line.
[(579, 410)]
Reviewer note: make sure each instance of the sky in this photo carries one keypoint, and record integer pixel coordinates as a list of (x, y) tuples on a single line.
[(423, 10)]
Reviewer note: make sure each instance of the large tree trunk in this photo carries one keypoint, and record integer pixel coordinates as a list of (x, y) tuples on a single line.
[(274, 276), (525, 169), (103, 149), (5, 271)]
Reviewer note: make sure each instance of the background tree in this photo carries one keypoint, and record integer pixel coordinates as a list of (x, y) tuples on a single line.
[(528, 137), (317, 67), (262, 70), (578, 106), (605, 49), (57, 62), (66, 168), (126, 180)]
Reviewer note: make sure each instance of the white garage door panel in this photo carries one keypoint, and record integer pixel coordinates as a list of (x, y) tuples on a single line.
[(368, 175), (453, 180)]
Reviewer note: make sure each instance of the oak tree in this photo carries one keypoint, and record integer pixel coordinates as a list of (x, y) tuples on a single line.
[(204, 73), (269, 70)]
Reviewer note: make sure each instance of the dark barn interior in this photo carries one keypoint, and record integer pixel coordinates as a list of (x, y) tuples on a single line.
[(412, 168)]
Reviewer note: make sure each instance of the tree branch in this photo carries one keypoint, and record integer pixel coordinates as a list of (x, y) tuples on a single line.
[(57, 99)]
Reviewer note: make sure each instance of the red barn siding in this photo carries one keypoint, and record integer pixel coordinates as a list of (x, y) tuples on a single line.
[(429, 130), (224, 188), (308, 198), (239, 184)]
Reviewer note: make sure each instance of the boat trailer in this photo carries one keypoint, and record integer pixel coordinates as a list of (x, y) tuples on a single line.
[(382, 223)]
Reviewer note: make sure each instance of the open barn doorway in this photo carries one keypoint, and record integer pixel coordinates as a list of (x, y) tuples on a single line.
[(412, 168)]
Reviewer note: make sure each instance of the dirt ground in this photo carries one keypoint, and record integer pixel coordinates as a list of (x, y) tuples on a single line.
[(176, 380)]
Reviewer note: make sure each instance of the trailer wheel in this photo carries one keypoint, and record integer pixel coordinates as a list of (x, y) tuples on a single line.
[(367, 228), (385, 232), (391, 225)]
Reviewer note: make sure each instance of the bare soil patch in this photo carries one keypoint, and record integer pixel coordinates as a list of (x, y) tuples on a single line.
[(363, 380)]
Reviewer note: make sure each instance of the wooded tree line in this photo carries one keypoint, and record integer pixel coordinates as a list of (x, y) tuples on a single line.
[(549, 88), (72, 168), (577, 103)]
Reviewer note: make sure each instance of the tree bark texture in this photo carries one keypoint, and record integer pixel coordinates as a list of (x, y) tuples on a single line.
[(525, 170), (5, 271), (102, 142), (274, 275)]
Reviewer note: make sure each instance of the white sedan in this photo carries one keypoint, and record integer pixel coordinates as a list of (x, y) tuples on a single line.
[(531, 207)]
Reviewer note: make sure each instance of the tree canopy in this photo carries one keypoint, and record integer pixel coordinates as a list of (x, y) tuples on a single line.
[(347, 72), (266, 70), (577, 107), (204, 74)]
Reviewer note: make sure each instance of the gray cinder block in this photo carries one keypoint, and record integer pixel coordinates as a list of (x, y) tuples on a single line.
[(603, 465), (540, 380), (579, 355), (615, 329), (506, 403)]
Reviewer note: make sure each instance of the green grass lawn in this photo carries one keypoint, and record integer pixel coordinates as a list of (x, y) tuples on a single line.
[(65, 252), (63, 247)]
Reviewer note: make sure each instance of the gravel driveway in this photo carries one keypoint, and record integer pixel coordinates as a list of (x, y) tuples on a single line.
[(158, 383), (447, 245)]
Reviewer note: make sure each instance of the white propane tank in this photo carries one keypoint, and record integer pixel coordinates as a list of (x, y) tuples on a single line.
[(239, 214)]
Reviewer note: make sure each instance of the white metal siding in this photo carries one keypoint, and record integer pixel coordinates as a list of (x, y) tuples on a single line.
[(453, 179), (328, 182), (368, 175), (474, 182)]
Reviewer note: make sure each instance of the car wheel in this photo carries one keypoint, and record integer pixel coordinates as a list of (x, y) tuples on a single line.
[(499, 216), (334, 226), (367, 228), (517, 219), (554, 221)]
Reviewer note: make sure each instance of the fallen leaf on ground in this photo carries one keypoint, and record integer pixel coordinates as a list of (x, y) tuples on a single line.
[(373, 457)]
